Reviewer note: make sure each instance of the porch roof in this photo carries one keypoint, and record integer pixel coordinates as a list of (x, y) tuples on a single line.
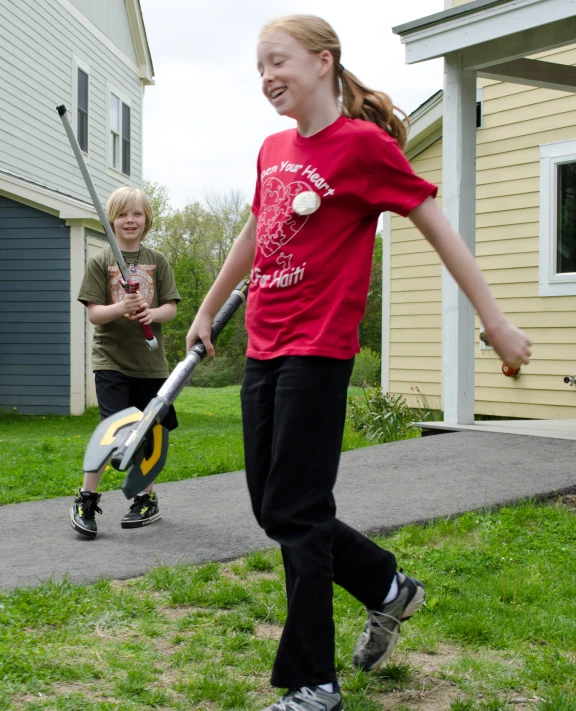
[(492, 32)]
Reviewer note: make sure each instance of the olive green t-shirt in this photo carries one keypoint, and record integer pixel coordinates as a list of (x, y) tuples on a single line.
[(120, 345)]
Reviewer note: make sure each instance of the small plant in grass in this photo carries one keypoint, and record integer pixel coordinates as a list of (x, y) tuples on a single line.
[(559, 701), (459, 705), (260, 562), (425, 413), (380, 416), (395, 675)]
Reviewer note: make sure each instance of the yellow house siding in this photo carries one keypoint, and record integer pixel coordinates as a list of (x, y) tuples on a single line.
[(517, 120), (416, 300)]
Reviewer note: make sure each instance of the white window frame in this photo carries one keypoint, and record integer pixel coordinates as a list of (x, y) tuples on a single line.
[(77, 64), (549, 282), (117, 172)]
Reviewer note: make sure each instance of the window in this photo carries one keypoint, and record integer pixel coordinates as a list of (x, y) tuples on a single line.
[(125, 139), (566, 218), (479, 107), (82, 116), (81, 102), (557, 271), (119, 147)]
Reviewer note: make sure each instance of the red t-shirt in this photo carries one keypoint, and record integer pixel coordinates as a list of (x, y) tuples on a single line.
[(311, 274)]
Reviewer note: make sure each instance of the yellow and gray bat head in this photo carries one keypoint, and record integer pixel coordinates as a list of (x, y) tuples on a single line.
[(147, 462), (110, 434)]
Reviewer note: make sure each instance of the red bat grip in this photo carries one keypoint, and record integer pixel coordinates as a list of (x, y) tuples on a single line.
[(148, 332), (131, 288)]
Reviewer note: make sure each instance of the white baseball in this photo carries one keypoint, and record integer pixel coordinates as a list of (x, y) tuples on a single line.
[(306, 203)]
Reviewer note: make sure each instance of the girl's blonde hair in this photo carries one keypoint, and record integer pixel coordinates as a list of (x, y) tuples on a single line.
[(358, 101), (123, 199)]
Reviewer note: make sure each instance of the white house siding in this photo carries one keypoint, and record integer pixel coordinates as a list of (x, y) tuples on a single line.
[(38, 40), (111, 18)]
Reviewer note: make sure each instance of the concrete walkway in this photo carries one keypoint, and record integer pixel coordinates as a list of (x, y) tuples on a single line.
[(379, 488)]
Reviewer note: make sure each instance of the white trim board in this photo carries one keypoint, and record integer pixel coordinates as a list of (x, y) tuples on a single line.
[(47, 200), (533, 72), (488, 26), (386, 300), (140, 42), (425, 126)]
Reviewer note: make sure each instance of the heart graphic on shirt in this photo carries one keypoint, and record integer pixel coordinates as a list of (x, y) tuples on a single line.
[(277, 222)]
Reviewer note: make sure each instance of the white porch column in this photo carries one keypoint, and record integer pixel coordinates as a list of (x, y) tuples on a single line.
[(459, 205), (386, 300)]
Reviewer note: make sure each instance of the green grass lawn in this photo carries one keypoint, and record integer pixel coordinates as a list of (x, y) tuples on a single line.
[(42, 456), (498, 632)]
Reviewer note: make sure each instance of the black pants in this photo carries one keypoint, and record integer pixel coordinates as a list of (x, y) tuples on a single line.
[(293, 411), (116, 391)]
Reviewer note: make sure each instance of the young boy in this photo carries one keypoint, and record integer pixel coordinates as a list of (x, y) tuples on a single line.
[(126, 373)]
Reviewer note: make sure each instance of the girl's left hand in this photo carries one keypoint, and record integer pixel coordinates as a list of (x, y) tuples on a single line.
[(511, 344)]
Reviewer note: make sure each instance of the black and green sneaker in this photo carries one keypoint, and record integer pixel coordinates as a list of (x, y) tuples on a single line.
[(143, 511), (83, 512)]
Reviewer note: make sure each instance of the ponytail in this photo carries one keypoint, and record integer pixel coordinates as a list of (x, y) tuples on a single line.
[(358, 101)]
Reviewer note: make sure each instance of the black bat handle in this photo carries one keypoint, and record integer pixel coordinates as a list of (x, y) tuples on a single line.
[(235, 300)]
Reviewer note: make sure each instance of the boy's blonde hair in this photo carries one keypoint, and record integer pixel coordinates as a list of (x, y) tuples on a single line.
[(358, 101), (123, 199)]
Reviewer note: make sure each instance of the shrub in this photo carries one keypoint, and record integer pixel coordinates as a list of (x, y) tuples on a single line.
[(366, 371), (381, 417), (218, 372)]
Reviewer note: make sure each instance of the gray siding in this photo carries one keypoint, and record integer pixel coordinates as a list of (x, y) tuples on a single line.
[(111, 17), (38, 39), (35, 314)]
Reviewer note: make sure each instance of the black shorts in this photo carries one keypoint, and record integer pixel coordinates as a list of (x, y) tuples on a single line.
[(116, 391)]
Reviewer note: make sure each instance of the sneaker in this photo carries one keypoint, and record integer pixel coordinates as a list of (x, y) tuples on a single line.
[(308, 698), (83, 512), (143, 511), (382, 629)]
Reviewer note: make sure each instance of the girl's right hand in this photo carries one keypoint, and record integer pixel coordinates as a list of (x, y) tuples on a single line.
[(201, 328), (511, 344)]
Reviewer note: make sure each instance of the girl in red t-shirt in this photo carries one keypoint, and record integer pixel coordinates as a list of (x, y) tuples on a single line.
[(308, 243)]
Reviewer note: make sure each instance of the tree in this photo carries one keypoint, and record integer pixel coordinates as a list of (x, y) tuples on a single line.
[(196, 240), (371, 325), (160, 201)]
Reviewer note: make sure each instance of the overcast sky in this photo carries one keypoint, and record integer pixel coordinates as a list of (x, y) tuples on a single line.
[(205, 118)]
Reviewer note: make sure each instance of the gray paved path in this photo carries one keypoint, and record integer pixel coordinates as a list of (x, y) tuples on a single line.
[(379, 488)]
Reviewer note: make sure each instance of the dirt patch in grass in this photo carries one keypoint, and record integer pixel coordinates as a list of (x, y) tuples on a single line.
[(428, 688), (569, 501), (177, 613), (89, 693), (267, 631)]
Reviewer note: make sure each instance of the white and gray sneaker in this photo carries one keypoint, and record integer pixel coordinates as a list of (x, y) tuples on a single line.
[(382, 629), (308, 698)]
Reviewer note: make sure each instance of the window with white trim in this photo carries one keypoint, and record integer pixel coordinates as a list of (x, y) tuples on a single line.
[(479, 107), (119, 133), (81, 102), (557, 269)]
